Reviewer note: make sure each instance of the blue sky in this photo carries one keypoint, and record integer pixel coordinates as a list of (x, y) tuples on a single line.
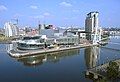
[(59, 12)]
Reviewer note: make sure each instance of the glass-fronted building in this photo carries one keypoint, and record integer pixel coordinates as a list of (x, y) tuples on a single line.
[(37, 42)]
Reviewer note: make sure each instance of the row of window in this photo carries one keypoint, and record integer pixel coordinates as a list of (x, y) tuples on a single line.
[(30, 45)]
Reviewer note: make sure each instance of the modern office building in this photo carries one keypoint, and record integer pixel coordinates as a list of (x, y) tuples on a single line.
[(10, 29), (93, 32), (47, 30), (41, 42)]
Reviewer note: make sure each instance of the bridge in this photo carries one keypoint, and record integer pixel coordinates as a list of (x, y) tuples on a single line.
[(110, 48), (114, 43), (100, 70)]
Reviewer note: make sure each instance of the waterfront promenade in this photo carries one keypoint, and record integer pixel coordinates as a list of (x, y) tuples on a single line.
[(20, 53)]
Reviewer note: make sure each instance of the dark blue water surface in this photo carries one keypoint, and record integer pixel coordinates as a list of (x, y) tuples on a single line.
[(67, 66)]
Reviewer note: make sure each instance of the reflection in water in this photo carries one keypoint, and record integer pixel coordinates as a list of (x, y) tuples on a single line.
[(41, 58), (11, 47), (51, 57), (92, 56)]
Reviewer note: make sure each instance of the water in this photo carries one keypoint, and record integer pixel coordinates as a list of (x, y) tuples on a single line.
[(68, 66)]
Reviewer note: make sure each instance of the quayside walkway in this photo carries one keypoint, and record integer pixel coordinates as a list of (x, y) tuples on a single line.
[(20, 53)]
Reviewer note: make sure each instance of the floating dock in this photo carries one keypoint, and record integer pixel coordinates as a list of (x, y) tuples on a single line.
[(20, 53)]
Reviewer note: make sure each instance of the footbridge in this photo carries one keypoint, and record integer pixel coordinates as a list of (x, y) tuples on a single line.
[(111, 48)]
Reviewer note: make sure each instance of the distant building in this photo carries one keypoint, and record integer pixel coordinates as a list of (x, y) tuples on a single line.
[(10, 29), (30, 31), (114, 33), (22, 32), (2, 31), (41, 26), (27, 29), (47, 32), (91, 27), (44, 28)]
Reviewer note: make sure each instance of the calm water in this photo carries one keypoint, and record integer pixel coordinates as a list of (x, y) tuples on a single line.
[(58, 67)]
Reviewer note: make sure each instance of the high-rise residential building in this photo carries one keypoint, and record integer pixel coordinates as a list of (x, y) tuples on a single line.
[(92, 28), (91, 22), (10, 29)]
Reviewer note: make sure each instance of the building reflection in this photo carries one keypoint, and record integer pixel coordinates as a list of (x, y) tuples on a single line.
[(51, 57), (11, 47), (92, 56)]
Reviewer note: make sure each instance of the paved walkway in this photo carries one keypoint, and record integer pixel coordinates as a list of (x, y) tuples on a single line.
[(20, 53)]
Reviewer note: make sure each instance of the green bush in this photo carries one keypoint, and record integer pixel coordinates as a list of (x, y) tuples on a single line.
[(112, 70)]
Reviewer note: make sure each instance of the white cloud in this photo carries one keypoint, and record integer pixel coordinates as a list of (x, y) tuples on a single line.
[(70, 18), (44, 15), (65, 4), (3, 8), (76, 11), (33, 7), (17, 15), (37, 17)]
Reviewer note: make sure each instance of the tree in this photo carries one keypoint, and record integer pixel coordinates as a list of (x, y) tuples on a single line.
[(112, 70), (103, 80)]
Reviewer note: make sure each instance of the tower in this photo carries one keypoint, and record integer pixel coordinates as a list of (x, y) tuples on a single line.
[(91, 27)]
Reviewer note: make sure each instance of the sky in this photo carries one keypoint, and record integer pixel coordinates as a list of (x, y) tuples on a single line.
[(59, 12)]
